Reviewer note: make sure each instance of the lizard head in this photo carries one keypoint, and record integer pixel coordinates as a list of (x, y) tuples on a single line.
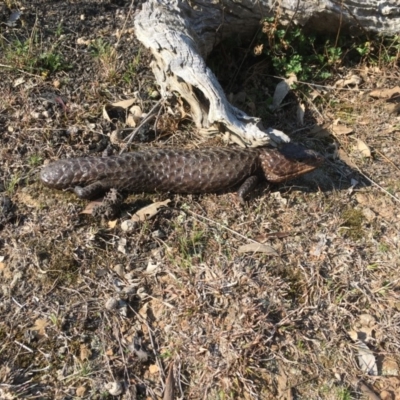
[(288, 162)]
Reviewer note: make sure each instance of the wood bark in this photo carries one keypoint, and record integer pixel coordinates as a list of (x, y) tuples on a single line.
[(181, 34)]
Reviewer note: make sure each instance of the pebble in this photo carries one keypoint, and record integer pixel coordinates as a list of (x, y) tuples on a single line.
[(128, 225), (111, 304), (114, 388)]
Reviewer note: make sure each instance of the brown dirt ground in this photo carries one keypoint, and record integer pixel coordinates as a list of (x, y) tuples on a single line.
[(85, 305)]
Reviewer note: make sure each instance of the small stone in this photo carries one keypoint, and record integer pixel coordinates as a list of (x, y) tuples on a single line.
[(154, 94), (128, 225), (129, 290), (116, 137), (368, 214), (119, 269), (72, 130), (114, 388), (158, 234), (81, 391), (82, 41), (111, 304), (123, 308), (56, 83)]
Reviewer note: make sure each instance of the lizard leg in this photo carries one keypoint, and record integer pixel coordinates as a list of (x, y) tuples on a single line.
[(93, 190), (247, 186)]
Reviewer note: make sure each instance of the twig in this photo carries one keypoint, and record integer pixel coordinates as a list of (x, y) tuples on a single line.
[(324, 86), (19, 70), (199, 217), (387, 159), (22, 345), (145, 120), (125, 22), (378, 186)]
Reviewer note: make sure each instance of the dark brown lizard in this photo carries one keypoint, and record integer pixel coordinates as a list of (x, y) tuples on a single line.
[(180, 170)]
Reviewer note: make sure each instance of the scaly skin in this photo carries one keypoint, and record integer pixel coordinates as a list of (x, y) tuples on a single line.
[(180, 170)]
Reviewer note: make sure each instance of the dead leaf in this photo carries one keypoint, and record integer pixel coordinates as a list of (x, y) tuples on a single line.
[(144, 310), (258, 248), (320, 131), (40, 326), (284, 390), (281, 90), (385, 93), (126, 104), (85, 353), (5, 272), (351, 80), (89, 208), (169, 384), (112, 224), (109, 352), (339, 130), (118, 110), (130, 121), (153, 369), (258, 49), (152, 266), (314, 94), (362, 148), (19, 81), (149, 211), (342, 155), (301, 108)]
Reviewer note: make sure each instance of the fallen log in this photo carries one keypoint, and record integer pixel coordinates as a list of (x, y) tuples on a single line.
[(182, 33)]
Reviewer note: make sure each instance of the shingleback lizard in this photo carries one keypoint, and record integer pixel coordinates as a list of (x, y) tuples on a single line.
[(180, 170)]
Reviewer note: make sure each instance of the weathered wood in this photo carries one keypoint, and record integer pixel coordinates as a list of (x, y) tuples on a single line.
[(182, 33)]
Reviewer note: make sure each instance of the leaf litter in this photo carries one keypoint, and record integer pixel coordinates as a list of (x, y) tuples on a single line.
[(229, 322)]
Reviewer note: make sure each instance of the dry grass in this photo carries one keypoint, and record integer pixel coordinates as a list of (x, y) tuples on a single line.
[(84, 304)]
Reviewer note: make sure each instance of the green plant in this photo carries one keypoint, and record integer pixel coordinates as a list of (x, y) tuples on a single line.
[(59, 30), (29, 56), (292, 51), (343, 394), (191, 246), (99, 48), (12, 183), (131, 70), (352, 223), (312, 57), (51, 62), (34, 160)]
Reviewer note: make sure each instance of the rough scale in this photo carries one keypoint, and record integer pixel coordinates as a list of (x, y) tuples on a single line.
[(180, 170)]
